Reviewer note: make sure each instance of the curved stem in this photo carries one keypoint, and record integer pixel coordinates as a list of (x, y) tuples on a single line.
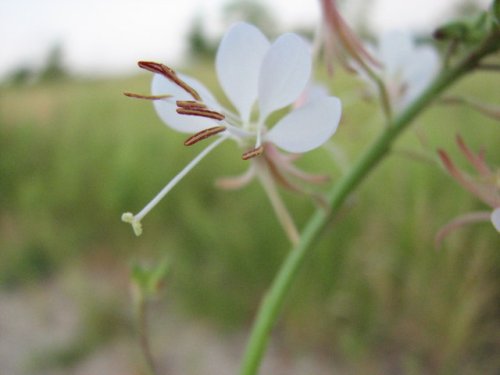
[(273, 300)]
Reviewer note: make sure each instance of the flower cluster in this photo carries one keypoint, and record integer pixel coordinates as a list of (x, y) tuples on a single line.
[(258, 78)]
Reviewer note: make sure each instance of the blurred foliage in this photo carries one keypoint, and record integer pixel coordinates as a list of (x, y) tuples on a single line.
[(53, 68), (252, 11), (376, 294), (22, 75), (200, 46), (465, 8)]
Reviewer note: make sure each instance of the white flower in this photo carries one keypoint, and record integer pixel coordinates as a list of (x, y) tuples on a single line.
[(406, 68), (251, 71)]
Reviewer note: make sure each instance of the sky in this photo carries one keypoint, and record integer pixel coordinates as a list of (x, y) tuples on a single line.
[(109, 36)]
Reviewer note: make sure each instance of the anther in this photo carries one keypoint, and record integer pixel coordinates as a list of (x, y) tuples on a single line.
[(148, 97), (202, 112), (171, 75), (253, 153), (204, 134), (190, 104)]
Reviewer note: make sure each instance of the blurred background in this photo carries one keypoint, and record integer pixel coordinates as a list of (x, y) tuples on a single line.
[(375, 298)]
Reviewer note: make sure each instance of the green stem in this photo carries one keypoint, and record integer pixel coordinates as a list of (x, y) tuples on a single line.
[(142, 320), (274, 299), (382, 90)]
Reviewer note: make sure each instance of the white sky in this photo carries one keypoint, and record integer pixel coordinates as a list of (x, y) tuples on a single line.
[(109, 36)]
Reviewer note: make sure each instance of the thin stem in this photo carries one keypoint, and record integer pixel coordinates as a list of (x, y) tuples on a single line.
[(142, 319), (275, 297), (279, 207), (489, 110), (382, 89), (491, 67), (466, 219)]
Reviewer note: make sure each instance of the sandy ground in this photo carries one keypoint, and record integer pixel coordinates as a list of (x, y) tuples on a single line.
[(36, 319)]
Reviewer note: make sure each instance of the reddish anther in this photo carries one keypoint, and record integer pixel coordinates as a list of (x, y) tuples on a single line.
[(253, 153), (148, 97), (197, 111), (190, 104), (204, 134), (171, 75)]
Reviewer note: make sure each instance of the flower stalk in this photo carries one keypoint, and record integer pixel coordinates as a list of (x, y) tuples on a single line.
[(279, 207), (272, 302), (144, 338)]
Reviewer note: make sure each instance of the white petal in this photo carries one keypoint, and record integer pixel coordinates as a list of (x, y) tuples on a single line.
[(238, 62), (166, 108), (495, 218), (307, 127), (312, 92), (421, 68), (284, 74), (395, 47)]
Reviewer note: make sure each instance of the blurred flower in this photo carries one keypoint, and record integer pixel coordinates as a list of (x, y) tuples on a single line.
[(407, 68), (486, 186), (340, 41), (250, 70)]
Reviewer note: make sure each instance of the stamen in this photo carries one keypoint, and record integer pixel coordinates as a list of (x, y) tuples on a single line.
[(204, 134), (253, 153), (197, 111), (148, 97), (171, 75), (190, 104)]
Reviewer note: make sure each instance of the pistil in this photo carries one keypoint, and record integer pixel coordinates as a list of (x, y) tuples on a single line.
[(135, 220)]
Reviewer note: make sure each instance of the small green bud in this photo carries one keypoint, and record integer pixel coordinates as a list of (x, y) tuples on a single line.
[(451, 31), (147, 281), (468, 32), (157, 276)]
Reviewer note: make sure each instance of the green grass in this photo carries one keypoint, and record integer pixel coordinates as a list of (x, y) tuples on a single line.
[(75, 155)]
